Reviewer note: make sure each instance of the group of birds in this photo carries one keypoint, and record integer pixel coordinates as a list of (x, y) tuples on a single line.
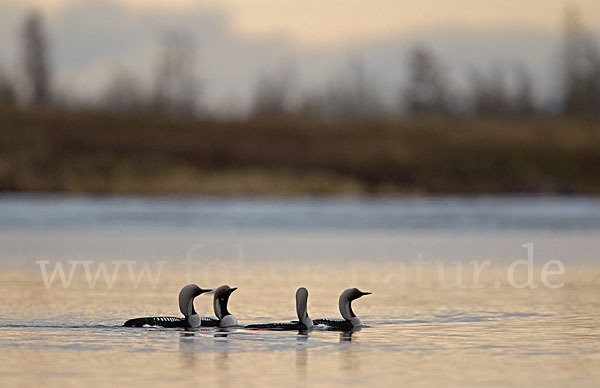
[(225, 319)]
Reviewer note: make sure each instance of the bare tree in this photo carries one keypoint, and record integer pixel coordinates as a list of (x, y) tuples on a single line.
[(35, 59), (523, 99), (313, 104), (124, 93), (581, 68), (488, 93), (272, 93), (8, 94), (427, 91), (353, 96), (176, 85)]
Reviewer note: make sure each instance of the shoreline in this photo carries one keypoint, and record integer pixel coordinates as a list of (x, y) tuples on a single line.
[(97, 153)]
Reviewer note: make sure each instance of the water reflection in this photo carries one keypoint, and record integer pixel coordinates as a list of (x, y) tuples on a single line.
[(221, 354), (346, 336), (525, 331), (221, 364), (349, 358), (301, 355), (186, 350)]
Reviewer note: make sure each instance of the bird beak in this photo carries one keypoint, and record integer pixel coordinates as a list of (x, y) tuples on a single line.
[(209, 291), (366, 293), (233, 289)]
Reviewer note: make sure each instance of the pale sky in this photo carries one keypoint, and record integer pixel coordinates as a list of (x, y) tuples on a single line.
[(326, 22), (240, 39)]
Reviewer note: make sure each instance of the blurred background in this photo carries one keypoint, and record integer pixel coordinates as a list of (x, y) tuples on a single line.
[(271, 97)]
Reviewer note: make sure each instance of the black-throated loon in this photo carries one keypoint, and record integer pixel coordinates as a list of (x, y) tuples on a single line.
[(226, 319), (350, 320), (186, 306), (304, 322)]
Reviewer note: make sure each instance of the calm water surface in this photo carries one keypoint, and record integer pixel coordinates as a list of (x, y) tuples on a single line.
[(431, 321)]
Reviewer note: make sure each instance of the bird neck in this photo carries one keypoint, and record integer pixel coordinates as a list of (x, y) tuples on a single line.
[(220, 305), (346, 309)]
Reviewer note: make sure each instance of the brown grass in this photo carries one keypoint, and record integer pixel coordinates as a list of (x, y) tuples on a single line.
[(87, 152)]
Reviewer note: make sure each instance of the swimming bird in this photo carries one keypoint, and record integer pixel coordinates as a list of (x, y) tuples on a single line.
[(304, 322), (350, 320), (186, 306), (226, 319)]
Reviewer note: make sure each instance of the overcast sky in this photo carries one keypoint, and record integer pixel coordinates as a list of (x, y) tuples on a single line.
[(239, 39)]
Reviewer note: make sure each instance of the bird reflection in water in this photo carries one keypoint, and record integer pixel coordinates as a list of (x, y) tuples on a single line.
[(346, 336), (186, 349), (301, 355), (221, 356), (222, 348), (349, 362)]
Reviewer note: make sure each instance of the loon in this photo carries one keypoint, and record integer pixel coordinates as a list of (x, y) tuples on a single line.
[(186, 306), (350, 320), (225, 318), (304, 322)]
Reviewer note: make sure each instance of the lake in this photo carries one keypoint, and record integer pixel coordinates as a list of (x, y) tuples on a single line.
[(481, 291)]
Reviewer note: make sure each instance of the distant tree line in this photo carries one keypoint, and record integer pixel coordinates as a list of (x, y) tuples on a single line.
[(175, 88), (351, 94), (581, 69), (35, 87)]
